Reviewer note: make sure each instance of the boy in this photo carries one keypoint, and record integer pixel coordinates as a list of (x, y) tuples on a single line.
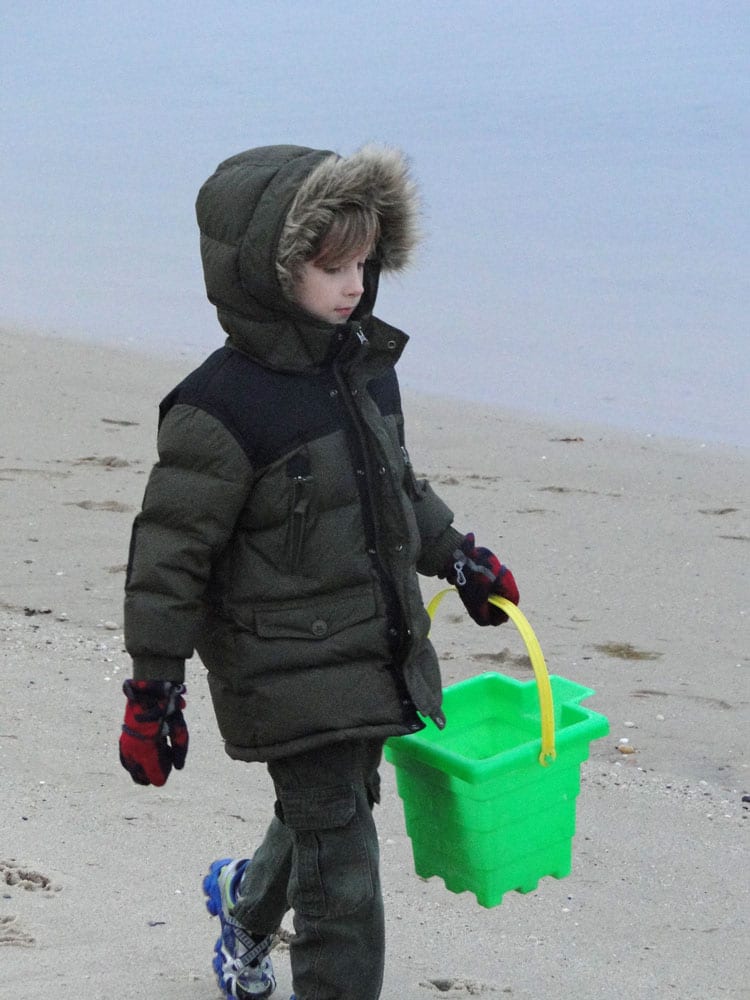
[(281, 534)]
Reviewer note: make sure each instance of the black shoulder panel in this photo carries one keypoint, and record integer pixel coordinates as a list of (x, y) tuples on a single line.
[(384, 390), (268, 413)]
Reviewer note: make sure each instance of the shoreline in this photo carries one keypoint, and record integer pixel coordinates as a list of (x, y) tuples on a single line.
[(185, 358), (630, 553)]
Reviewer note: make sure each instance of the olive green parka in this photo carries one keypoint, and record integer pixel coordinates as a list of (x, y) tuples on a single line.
[(282, 527)]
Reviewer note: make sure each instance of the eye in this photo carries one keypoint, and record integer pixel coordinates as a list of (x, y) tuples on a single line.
[(359, 264)]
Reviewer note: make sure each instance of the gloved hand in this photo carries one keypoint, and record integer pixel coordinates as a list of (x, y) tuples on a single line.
[(154, 735), (476, 573)]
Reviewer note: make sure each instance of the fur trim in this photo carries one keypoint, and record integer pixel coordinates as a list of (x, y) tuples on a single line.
[(375, 176)]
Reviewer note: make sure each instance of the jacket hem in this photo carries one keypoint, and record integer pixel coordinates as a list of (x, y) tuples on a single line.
[(304, 743)]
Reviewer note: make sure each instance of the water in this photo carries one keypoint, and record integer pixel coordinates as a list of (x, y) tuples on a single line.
[(583, 167)]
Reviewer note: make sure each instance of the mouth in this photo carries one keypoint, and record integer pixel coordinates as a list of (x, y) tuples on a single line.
[(344, 311)]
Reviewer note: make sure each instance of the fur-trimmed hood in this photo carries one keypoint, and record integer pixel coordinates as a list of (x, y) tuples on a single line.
[(257, 212), (374, 177)]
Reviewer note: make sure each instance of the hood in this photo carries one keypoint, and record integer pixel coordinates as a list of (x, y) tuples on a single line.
[(246, 228)]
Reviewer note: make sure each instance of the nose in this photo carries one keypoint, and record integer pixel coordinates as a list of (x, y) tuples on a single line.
[(354, 284)]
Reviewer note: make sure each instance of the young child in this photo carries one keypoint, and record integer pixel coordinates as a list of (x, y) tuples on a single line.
[(281, 535)]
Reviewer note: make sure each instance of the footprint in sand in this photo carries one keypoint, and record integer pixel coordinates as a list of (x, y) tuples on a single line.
[(626, 651), (113, 505), (108, 461), (13, 874), (504, 656), (454, 986), (12, 934)]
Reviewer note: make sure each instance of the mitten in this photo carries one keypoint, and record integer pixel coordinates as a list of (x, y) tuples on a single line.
[(476, 573), (154, 735)]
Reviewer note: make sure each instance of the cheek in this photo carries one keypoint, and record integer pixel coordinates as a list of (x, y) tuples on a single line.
[(318, 284), (309, 292)]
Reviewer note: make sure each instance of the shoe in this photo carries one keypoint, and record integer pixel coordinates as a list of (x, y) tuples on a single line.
[(241, 963)]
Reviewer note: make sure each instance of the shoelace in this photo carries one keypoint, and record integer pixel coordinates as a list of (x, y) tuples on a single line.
[(254, 950)]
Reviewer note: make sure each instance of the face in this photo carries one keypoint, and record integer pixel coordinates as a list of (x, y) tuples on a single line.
[(331, 293)]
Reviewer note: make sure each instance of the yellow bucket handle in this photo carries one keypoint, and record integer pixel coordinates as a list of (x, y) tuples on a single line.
[(537, 662)]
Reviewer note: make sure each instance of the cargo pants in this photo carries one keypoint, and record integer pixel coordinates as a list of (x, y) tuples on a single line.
[(320, 858)]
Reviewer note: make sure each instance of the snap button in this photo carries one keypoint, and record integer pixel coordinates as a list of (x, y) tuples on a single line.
[(391, 345), (333, 392), (319, 628), (381, 470), (398, 548)]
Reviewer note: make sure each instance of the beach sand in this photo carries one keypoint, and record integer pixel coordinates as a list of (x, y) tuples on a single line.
[(631, 555)]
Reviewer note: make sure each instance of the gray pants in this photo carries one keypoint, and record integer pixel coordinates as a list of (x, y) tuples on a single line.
[(320, 858)]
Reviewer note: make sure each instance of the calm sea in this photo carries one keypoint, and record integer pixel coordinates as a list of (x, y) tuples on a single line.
[(583, 167)]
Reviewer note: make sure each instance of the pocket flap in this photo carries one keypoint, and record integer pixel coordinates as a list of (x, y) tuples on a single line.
[(319, 808), (316, 618)]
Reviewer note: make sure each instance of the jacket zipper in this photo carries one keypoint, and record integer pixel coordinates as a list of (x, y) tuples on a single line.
[(393, 603), (298, 471), (298, 523)]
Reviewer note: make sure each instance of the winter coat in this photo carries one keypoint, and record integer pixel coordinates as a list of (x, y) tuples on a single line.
[(282, 527)]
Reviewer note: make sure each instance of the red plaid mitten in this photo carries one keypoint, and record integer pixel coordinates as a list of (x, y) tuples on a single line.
[(476, 573), (154, 735)]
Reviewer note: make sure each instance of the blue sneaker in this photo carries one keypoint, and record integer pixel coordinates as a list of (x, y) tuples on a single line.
[(241, 963)]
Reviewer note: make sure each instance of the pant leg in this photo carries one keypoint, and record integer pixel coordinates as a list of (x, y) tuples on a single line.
[(262, 898), (324, 802)]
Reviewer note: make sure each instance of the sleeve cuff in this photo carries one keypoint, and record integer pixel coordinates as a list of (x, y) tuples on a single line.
[(436, 556), (159, 668)]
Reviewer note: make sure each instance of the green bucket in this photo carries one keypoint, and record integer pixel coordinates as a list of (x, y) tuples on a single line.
[(490, 800)]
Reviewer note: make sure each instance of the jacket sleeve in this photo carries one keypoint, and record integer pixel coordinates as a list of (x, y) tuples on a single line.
[(435, 520), (193, 498), (439, 539)]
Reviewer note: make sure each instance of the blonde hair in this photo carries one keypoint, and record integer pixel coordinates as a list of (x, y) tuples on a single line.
[(352, 229), (341, 234)]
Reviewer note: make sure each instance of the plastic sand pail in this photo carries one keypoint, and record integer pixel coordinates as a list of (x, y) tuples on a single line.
[(490, 800)]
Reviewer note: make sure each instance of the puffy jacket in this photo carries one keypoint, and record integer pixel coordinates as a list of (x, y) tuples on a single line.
[(282, 527)]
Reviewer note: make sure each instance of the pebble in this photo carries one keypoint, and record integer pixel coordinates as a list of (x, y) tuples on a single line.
[(112, 626)]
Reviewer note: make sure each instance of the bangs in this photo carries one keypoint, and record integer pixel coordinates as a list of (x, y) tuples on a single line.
[(353, 228)]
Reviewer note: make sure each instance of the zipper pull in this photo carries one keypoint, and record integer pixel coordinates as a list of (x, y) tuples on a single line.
[(360, 334)]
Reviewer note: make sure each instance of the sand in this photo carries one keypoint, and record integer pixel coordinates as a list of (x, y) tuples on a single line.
[(631, 554)]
